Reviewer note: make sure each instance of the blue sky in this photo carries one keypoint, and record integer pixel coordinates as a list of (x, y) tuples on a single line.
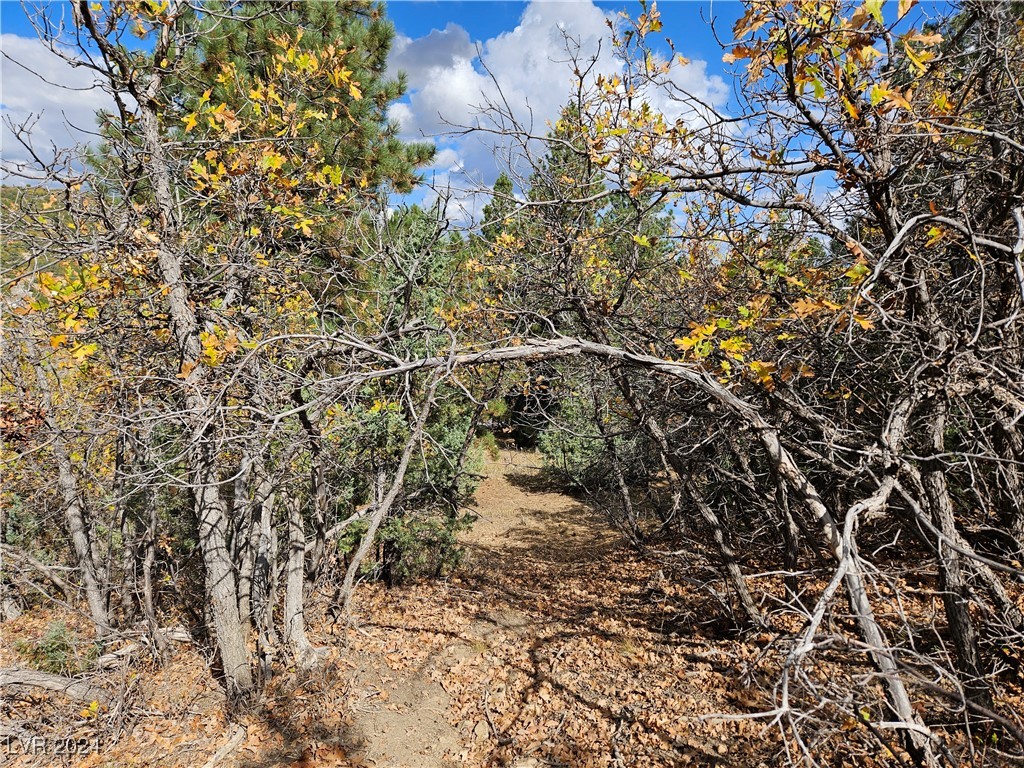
[(445, 47), (484, 19)]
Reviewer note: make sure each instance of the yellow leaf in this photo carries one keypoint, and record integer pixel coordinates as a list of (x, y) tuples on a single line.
[(864, 322), (763, 370), (735, 346), (874, 9), (857, 272), (851, 108), (806, 307), (904, 8), (190, 122), (82, 351), (354, 91)]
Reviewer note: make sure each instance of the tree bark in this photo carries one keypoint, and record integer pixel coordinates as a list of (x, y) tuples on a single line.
[(295, 579), (74, 508), (211, 510), (955, 593), (77, 690)]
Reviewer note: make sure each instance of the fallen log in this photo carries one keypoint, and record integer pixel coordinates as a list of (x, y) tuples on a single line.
[(76, 690)]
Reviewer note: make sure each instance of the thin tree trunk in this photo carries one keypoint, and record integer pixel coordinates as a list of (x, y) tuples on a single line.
[(680, 478), (148, 603), (955, 594), (384, 507), (295, 579), (74, 509), (632, 524), (318, 489), (790, 538), (732, 569), (250, 545), (264, 584)]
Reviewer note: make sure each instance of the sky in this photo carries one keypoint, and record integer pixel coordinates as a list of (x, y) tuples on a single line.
[(460, 55), (446, 49), (457, 54)]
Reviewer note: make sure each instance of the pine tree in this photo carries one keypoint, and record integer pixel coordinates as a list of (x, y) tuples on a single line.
[(498, 212), (240, 40)]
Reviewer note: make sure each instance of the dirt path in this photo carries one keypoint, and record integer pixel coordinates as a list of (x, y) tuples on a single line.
[(404, 720), (552, 646), (518, 511)]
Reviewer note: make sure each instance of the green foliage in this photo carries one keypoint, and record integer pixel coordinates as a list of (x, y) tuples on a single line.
[(488, 444), (348, 541), (59, 651), (417, 545), (572, 448), (497, 408), (410, 545), (241, 41), (22, 529), (498, 212)]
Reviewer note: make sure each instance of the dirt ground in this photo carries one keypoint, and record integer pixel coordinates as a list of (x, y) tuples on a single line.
[(554, 644)]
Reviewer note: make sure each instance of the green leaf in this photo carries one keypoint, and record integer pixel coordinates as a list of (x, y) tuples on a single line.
[(874, 9)]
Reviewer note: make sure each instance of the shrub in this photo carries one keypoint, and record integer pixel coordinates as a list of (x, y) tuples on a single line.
[(418, 544), (410, 545), (59, 651)]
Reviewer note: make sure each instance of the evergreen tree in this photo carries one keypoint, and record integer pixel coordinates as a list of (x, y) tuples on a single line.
[(498, 212), (239, 43)]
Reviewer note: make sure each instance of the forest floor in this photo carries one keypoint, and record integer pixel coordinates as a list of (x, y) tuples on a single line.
[(555, 643)]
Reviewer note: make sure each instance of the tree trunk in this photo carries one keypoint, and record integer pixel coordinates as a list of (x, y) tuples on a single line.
[(211, 510), (74, 509), (384, 507), (264, 584), (220, 572), (294, 603), (249, 549), (790, 538), (955, 594), (631, 523)]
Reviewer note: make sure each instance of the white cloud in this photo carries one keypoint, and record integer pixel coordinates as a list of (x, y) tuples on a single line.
[(527, 71), (438, 50), (448, 74), (59, 101)]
